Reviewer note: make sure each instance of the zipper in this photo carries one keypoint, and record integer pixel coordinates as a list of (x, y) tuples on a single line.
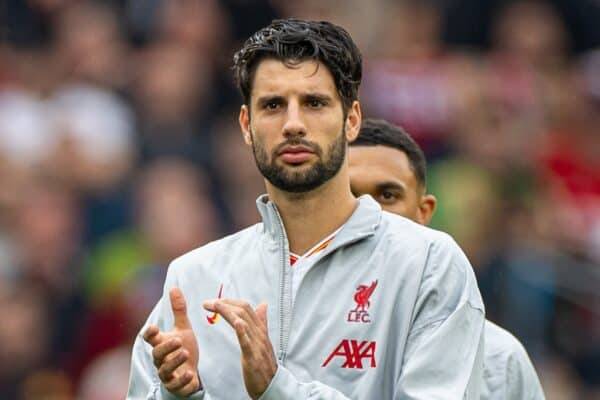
[(283, 299)]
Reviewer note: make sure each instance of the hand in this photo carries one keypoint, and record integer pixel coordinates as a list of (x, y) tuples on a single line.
[(258, 360), (175, 353)]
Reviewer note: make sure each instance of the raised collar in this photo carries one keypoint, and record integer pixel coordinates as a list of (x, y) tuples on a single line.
[(363, 222)]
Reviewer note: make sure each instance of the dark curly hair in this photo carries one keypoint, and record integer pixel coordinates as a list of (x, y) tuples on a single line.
[(293, 41), (378, 132)]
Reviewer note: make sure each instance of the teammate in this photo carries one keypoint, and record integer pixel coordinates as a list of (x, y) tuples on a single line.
[(373, 307), (386, 163)]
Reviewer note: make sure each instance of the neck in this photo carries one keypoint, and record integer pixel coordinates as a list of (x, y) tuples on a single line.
[(310, 216)]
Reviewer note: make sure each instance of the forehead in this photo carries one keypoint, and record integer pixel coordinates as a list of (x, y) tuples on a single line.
[(274, 77), (372, 165)]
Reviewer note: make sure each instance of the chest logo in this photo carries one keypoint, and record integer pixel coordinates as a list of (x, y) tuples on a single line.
[(212, 319), (353, 352), (361, 297)]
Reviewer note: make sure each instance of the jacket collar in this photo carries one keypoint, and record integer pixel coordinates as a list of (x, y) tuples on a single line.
[(363, 221)]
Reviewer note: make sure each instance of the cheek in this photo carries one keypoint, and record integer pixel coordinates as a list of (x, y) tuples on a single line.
[(260, 140), (404, 209), (260, 149), (329, 125), (265, 130), (398, 208)]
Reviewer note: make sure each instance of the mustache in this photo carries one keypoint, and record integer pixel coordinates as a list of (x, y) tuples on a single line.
[(315, 148)]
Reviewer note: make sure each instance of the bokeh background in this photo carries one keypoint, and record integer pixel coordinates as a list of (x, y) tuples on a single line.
[(119, 150)]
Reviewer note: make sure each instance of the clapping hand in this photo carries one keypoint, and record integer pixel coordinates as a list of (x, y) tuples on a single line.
[(175, 353)]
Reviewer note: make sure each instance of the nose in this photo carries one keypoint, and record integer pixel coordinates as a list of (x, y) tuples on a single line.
[(294, 124)]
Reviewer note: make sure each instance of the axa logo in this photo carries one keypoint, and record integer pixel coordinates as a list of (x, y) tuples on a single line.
[(212, 319), (361, 297), (353, 352)]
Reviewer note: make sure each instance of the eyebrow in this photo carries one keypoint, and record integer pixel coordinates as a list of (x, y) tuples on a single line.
[(391, 185), (318, 96), (261, 101)]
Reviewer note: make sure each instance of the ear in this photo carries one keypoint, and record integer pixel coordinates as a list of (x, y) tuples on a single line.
[(426, 208), (353, 121), (244, 120)]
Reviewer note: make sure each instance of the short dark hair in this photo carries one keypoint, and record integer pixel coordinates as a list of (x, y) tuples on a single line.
[(378, 132), (293, 41)]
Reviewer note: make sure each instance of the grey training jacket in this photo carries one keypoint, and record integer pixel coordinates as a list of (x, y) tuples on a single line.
[(390, 310), (508, 373)]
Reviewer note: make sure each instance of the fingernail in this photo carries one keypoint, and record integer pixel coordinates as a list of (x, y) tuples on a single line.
[(209, 304)]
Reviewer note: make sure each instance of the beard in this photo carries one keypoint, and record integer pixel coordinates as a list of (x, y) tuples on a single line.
[(287, 179)]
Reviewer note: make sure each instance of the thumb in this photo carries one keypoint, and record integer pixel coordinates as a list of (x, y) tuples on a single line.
[(179, 309), (261, 312)]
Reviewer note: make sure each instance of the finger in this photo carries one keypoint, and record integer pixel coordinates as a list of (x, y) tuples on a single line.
[(261, 313), (179, 382), (241, 330), (191, 388), (231, 313), (179, 309), (211, 305), (162, 350), (243, 310), (153, 336), (165, 372)]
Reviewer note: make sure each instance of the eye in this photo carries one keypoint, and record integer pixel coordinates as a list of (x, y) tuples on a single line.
[(388, 196), (272, 105), (315, 103)]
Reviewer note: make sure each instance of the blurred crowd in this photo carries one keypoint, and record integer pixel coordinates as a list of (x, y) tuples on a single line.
[(120, 150)]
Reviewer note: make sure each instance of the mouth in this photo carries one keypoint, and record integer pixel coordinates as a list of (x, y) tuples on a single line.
[(295, 154)]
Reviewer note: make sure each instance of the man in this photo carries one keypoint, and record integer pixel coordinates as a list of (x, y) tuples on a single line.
[(328, 297), (386, 163)]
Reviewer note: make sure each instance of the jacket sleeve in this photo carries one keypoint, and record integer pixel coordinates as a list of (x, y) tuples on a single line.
[(522, 381), (285, 386), (509, 373), (443, 357), (144, 383)]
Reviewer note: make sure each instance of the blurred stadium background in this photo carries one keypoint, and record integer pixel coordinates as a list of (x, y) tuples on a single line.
[(119, 150)]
